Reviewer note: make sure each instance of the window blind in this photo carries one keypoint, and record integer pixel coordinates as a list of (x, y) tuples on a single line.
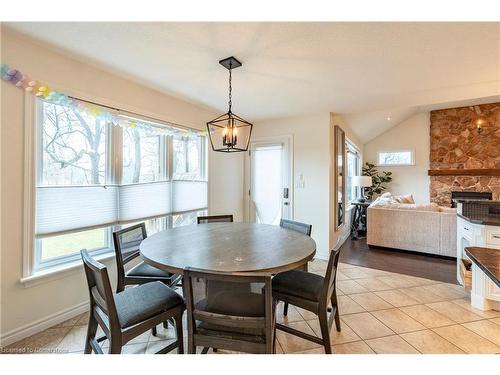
[(70, 208)]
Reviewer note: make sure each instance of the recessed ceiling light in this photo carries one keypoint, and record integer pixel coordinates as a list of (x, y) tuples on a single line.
[(389, 118)]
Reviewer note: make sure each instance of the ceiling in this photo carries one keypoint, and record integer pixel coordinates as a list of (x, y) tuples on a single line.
[(364, 71)]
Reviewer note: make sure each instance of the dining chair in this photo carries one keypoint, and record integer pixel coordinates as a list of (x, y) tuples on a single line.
[(127, 243), (298, 227), (215, 219), (239, 315), (313, 293), (129, 313)]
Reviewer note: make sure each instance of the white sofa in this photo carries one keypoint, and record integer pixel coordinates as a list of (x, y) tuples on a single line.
[(426, 229)]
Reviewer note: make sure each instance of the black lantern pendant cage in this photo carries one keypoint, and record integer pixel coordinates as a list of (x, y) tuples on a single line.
[(229, 132)]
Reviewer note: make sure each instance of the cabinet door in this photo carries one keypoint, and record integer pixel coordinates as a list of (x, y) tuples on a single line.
[(492, 291)]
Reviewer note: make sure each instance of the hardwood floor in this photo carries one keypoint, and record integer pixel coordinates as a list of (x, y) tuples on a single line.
[(358, 253)]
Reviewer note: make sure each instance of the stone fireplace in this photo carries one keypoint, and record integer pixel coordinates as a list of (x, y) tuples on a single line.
[(463, 157)]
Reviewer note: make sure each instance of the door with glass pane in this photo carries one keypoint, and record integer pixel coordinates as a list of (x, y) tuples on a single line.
[(270, 178)]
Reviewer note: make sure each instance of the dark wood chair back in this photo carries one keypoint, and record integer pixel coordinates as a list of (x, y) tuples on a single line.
[(233, 311), (330, 276), (215, 219), (296, 226), (127, 243), (100, 292)]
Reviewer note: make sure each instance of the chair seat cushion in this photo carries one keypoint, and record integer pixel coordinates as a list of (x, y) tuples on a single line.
[(236, 303), (145, 270), (299, 284), (136, 304)]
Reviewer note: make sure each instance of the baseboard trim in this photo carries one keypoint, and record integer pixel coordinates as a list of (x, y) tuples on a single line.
[(42, 324)]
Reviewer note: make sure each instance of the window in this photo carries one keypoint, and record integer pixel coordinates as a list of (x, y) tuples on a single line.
[(353, 161), (93, 177), (396, 157)]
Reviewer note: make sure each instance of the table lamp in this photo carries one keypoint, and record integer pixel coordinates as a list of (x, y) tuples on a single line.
[(362, 182)]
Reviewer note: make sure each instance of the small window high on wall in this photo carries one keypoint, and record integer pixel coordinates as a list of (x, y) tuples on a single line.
[(396, 157), (93, 177)]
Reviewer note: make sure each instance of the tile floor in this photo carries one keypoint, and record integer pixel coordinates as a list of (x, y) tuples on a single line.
[(381, 312)]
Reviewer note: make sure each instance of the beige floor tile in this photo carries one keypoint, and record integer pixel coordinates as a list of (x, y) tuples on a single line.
[(350, 287), (305, 314), (447, 291), (346, 334), (292, 316), (420, 281), (467, 340), (340, 276), (83, 320), (348, 306), (43, 342), (68, 323), (421, 294), (74, 339), (291, 344), (496, 320), (465, 303), (396, 298), (373, 284), (357, 273), (397, 281), (139, 348), (428, 342), (454, 312), (391, 345), (312, 351), (397, 320), (366, 325), (370, 301), (376, 273), (427, 316), (358, 347), (344, 266), (486, 329)]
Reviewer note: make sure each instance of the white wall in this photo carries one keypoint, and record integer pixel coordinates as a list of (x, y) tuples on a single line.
[(311, 158), (412, 133), (26, 309)]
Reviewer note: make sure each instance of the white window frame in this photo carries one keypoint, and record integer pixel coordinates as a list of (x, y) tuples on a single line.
[(31, 245), (350, 144), (411, 151)]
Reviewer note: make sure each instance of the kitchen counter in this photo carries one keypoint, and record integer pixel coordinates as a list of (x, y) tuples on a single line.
[(482, 219), (487, 260)]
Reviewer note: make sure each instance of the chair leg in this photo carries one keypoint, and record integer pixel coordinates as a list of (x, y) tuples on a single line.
[(115, 347), (285, 309), (154, 331), (179, 334), (337, 314), (325, 332), (91, 332)]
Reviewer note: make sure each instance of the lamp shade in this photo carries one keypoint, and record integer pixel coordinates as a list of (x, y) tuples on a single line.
[(363, 181)]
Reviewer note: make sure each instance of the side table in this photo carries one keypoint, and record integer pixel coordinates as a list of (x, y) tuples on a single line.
[(359, 222)]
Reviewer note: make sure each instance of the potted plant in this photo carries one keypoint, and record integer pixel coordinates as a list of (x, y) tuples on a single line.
[(379, 180)]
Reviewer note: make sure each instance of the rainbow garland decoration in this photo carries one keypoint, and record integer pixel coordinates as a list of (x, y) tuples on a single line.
[(43, 91)]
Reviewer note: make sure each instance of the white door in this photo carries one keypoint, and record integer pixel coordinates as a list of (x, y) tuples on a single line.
[(270, 181)]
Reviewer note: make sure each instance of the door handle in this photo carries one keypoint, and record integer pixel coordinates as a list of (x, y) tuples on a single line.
[(285, 193), (285, 203)]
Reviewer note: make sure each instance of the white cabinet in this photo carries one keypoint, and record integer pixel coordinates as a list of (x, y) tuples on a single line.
[(485, 295)]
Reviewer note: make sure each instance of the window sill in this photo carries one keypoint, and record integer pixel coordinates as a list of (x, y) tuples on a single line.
[(59, 272)]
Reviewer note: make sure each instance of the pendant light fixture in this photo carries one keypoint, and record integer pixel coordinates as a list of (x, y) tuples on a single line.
[(229, 132)]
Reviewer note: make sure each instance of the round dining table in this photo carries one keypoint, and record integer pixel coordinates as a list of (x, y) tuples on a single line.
[(228, 247)]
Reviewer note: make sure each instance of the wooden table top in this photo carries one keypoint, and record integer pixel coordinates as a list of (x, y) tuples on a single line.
[(486, 259), (228, 247)]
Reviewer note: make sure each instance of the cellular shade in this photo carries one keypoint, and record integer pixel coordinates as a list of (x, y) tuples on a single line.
[(189, 195), (60, 209), (64, 209)]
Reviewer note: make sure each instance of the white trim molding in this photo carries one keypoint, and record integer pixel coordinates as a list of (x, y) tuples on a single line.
[(42, 324), (29, 184)]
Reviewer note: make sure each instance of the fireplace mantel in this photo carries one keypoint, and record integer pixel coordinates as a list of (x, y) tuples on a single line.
[(464, 172)]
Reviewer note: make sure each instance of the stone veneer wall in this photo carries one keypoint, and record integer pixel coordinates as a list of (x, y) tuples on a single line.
[(456, 144)]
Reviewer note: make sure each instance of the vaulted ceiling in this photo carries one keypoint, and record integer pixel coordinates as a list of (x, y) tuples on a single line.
[(368, 72)]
